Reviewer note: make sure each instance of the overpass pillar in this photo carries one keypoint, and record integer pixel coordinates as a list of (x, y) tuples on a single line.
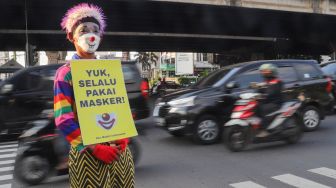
[(56, 57), (235, 2), (320, 6), (125, 56)]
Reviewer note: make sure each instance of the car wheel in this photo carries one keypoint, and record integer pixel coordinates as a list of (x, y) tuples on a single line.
[(311, 118), (32, 170), (178, 133), (207, 130)]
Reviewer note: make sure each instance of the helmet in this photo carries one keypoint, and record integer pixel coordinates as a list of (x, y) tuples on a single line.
[(270, 67)]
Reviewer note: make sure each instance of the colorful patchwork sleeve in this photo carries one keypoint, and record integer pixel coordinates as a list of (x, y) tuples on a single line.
[(65, 115)]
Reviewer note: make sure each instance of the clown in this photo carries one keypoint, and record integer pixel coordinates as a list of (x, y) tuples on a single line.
[(99, 165)]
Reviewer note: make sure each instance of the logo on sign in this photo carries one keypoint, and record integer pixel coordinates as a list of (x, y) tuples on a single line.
[(106, 120)]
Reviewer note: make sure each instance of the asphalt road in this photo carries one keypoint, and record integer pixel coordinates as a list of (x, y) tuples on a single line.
[(169, 162)]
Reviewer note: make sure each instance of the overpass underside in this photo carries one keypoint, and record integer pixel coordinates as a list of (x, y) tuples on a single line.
[(172, 26)]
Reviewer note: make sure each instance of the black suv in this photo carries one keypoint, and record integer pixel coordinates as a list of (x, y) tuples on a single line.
[(30, 91), (202, 109)]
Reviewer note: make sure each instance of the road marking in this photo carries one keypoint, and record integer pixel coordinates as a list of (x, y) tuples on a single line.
[(6, 177), (6, 186), (246, 184), (8, 150), (7, 155), (331, 173), (9, 146), (8, 168), (299, 182), (7, 162)]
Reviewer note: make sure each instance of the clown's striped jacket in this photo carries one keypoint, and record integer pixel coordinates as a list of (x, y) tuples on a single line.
[(65, 107)]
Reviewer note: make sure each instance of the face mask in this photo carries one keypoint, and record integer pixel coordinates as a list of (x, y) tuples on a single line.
[(89, 42)]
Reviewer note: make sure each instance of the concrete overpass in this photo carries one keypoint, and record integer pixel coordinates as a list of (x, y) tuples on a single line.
[(220, 26), (307, 6)]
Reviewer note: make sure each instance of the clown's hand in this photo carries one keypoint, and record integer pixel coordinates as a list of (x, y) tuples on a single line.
[(105, 153), (122, 143)]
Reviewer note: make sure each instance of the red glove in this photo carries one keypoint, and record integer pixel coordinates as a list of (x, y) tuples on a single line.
[(123, 143), (105, 153)]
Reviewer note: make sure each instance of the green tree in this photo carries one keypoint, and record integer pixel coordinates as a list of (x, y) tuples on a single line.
[(146, 59), (204, 73)]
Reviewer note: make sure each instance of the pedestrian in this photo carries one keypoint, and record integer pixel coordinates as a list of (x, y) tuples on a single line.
[(163, 82), (158, 84), (100, 165)]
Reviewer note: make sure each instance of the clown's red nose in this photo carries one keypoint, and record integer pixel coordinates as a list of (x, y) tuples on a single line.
[(92, 39)]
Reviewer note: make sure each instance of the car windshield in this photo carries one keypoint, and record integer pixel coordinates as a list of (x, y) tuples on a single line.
[(212, 78)]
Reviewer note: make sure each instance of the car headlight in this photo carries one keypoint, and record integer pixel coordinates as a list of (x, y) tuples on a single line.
[(184, 102)]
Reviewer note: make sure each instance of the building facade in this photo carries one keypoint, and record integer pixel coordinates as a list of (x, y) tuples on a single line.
[(4, 57), (202, 63)]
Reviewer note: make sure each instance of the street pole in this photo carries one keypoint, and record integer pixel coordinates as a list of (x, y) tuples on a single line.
[(27, 39)]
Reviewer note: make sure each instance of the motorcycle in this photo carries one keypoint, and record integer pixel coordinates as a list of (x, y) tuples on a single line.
[(43, 151), (245, 125)]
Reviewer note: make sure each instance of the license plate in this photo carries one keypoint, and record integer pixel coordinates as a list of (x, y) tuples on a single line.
[(156, 111)]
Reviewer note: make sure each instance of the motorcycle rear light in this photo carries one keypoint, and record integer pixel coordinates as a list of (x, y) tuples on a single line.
[(247, 107), (246, 115), (238, 108), (329, 85), (144, 89)]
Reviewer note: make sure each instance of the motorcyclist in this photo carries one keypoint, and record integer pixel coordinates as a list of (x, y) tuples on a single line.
[(271, 89), (159, 84)]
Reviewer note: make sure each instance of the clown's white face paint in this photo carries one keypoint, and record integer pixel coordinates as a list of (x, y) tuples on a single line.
[(87, 37), (89, 42)]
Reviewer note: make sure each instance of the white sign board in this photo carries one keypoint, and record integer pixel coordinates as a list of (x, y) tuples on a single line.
[(184, 63)]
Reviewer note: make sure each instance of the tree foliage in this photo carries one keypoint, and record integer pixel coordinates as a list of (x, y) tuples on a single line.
[(146, 59)]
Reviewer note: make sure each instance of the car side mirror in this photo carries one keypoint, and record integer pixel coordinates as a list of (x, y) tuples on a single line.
[(232, 85), (7, 89)]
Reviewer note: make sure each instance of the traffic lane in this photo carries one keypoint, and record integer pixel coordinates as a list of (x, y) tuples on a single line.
[(63, 181), (177, 162), (144, 125), (52, 182)]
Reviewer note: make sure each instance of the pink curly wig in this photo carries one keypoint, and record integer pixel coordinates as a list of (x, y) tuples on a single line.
[(80, 11)]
